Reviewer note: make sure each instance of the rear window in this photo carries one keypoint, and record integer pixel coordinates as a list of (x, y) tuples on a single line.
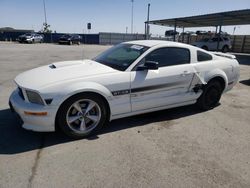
[(202, 56)]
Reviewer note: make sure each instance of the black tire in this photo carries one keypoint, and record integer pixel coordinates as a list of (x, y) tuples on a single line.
[(204, 47), (210, 96), (61, 118), (225, 49)]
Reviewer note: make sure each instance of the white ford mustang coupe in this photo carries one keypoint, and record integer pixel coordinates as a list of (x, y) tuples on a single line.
[(131, 78)]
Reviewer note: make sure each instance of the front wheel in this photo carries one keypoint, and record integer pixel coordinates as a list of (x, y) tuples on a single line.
[(210, 96), (82, 115)]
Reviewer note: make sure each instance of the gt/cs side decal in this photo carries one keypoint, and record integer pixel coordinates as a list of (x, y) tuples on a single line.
[(121, 92), (146, 88)]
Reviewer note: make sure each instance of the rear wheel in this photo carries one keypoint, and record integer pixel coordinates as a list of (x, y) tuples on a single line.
[(82, 115), (225, 49), (211, 95), (204, 47)]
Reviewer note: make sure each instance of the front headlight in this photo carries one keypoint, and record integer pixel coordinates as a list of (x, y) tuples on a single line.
[(34, 97)]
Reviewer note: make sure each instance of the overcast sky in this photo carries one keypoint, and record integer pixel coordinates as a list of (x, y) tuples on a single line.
[(72, 16)]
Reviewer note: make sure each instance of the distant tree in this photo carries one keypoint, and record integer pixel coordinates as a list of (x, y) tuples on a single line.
[(46, 28)]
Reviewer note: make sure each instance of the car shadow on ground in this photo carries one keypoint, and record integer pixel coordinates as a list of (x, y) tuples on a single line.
[(14, 139), (245, 82), (243, 59)]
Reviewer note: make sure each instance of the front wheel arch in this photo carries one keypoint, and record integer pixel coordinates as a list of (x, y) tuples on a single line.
[(89, 93)]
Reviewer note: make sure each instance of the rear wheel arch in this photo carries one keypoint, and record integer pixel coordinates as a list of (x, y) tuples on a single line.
[(219, 79), (204, 47), (211, 93), (217, 74)]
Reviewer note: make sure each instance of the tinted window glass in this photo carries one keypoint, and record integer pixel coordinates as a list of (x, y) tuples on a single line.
[(202, 56), (216, 39), (169, 56)]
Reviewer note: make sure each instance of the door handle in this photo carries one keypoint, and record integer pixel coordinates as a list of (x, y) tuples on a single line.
[(185, 73)]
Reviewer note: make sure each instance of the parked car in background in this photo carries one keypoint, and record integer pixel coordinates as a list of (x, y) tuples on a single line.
[(70, 39), (30, 38), (211, 44), (131, 78)]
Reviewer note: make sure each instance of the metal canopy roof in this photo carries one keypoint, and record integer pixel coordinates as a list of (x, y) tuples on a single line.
[(238, 17)]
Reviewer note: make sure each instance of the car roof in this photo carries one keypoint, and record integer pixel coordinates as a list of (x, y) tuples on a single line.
[(151, 43)]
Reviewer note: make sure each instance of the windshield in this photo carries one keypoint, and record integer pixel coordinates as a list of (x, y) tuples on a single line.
[(121, 56)]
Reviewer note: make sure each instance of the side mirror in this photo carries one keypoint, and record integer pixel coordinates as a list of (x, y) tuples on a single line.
[(148, 65)]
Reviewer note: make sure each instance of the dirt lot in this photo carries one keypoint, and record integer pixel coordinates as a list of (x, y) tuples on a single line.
[(180, 147)]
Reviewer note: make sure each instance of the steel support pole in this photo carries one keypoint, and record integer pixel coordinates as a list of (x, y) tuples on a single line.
[(175, 23), (219, 35), (147, 29), (218, 42), (182, 34), (132, 16), (44, 9)]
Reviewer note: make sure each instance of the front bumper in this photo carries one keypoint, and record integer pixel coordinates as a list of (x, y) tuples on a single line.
[(25, 40), (44, 123), (64, 41)]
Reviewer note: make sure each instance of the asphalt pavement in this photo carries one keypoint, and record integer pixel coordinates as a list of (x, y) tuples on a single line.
[(181, 147)]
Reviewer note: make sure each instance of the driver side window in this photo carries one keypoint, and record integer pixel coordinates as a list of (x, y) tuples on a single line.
[(169, 56)]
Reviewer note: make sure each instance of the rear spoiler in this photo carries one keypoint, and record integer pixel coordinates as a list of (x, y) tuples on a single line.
[(230, 56)]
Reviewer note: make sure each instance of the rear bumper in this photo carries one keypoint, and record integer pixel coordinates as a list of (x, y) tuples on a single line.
[(44, 123)]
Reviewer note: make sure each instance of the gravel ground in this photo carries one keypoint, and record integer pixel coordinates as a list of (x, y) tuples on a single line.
[(180, 147)]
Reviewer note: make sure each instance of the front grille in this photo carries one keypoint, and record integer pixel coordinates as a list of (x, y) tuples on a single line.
[(20, 92)]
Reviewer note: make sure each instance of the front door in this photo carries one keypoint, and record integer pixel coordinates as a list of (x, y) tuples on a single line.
[(165, 86)]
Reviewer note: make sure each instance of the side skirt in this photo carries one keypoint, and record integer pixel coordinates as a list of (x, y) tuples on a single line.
[(118, 116)]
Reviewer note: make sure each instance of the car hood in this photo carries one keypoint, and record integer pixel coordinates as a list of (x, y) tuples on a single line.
[(41, 77)]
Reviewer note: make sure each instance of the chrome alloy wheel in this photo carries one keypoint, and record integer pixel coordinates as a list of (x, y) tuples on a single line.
[(83, 116)]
